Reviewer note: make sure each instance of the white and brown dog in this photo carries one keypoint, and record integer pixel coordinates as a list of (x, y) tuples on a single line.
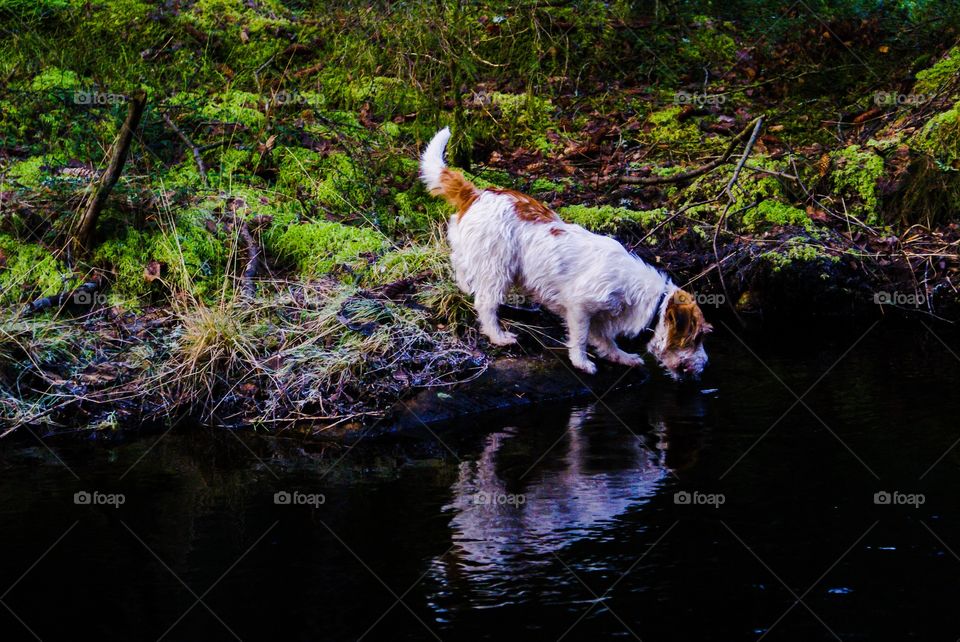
[(500, 238)]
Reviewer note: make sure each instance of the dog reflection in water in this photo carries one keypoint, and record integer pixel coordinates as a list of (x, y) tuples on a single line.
[(511, 510)]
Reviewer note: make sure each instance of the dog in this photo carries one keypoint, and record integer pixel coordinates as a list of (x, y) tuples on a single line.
[(500, 238)]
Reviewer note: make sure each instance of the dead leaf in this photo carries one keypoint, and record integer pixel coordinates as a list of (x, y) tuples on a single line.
[(152, 271), (264, 148)]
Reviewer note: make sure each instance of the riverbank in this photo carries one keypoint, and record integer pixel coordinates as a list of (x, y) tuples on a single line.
[(269, 259)]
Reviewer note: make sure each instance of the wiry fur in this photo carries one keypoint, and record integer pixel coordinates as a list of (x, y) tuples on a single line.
[(500, 238)]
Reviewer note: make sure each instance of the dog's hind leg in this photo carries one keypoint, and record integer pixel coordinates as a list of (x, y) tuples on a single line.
[(578, 328)]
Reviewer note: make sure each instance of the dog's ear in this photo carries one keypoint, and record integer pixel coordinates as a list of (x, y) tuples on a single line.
[(684, 320)]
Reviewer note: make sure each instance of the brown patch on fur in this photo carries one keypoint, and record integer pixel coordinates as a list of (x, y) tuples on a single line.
[(556, 231), (685, 323), (528, 208), (458, 191)]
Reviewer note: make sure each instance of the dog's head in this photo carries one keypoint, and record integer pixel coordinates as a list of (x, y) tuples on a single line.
[(678, 340)]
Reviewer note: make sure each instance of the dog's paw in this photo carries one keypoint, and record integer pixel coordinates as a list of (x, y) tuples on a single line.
[(503, 339), (629, 359), (585, 365)]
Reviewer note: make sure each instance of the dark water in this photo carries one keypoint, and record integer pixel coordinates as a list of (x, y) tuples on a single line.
[(583, 539)]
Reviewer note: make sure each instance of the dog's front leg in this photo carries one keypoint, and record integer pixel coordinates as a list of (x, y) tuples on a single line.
[(578, 327), (608, 349)]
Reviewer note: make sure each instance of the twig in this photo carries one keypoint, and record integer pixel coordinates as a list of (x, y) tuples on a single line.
[(728, 190), (201, 168), (118, 156), (761, 170), (693, 173), (743, 158), (253, 261)]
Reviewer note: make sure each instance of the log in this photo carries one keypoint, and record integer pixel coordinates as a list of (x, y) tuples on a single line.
[(118, 156)]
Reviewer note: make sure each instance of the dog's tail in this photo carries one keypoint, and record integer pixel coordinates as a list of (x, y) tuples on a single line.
[(442, 181)]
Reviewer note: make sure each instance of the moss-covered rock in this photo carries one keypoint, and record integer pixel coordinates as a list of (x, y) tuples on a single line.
[(665, 131), (774, 212), (933, 79), (855, 174), (316, 247), (799, 250), (608, 218), (940, 137)]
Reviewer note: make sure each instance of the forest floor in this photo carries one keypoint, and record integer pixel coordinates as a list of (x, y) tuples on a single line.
[(269, 257)]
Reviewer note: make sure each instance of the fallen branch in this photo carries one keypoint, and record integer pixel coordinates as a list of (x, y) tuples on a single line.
[(201, 168), (694, 173), (118, 156), (82, 294)]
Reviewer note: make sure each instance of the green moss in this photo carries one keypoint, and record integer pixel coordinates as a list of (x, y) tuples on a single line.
[(708, 45), (30, 271), (249, 32), (798, 250), (667, 131), (417, 211), (408, 261), (492, 178), (773, 212), (334, 180), (55, 78), (32, 8), (855, 174), (542, 185), (930, 81), (315, 247), (192, 258), (29, 172), (234, 107), (341, 183), (232, 163), (522, 119), (940, 138), (608, 218), (387, 96)]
